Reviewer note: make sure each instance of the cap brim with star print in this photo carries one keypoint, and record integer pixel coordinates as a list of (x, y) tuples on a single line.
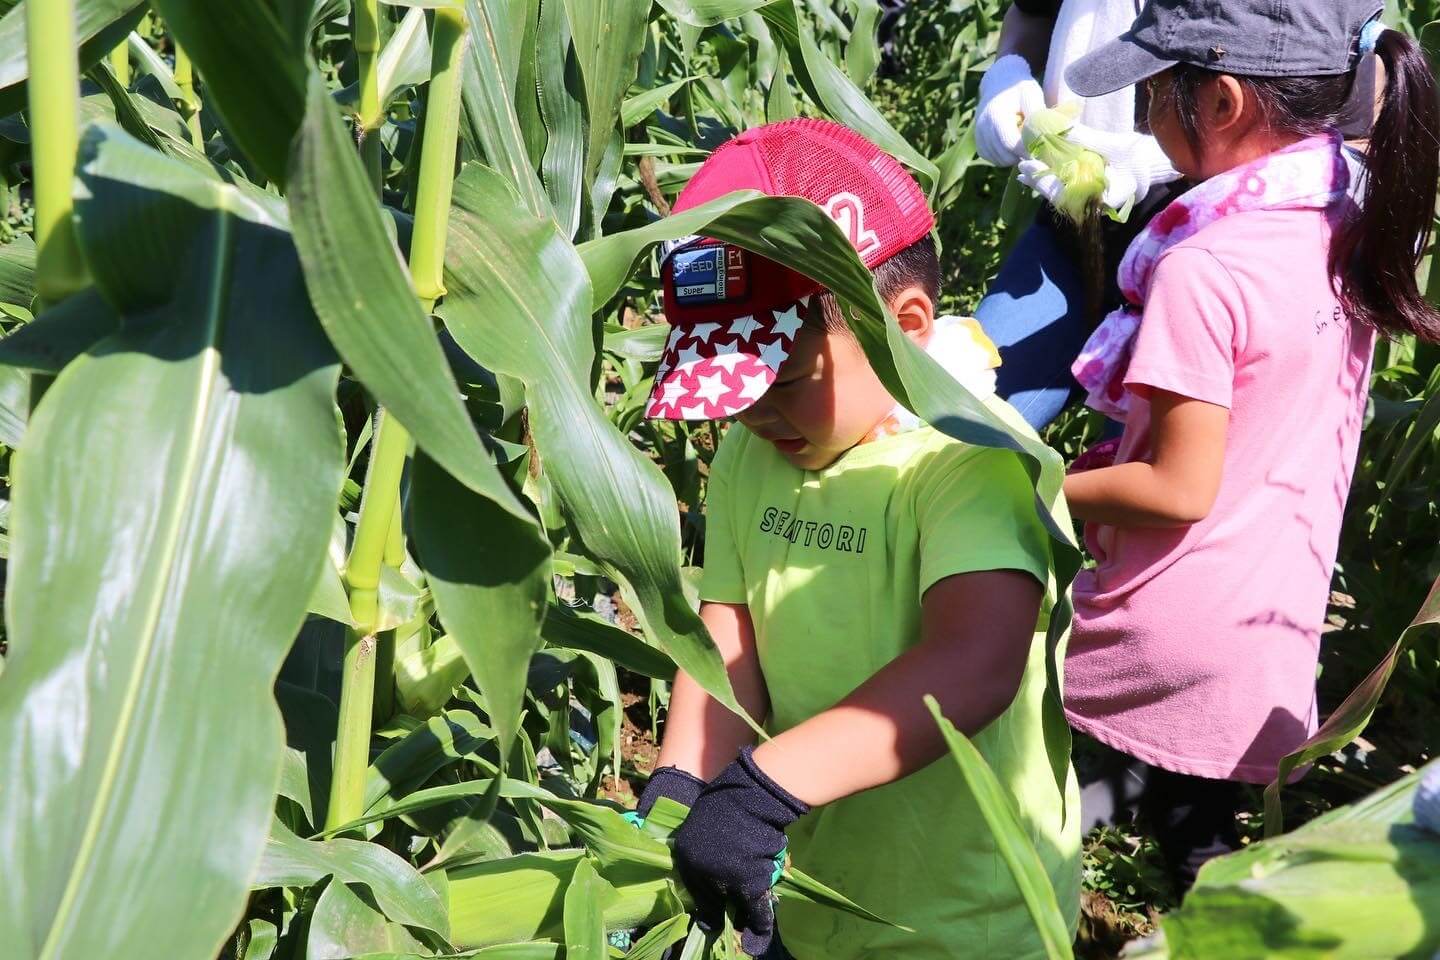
[(734, 314)]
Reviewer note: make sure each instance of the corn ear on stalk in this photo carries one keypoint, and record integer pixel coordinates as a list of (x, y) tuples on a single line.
[(1081, 171)]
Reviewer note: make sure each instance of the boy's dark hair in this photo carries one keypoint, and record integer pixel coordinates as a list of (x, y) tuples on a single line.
[(918, 265), (1377, 253)]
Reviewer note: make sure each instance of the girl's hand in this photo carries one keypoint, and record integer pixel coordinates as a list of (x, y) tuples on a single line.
[(1134, 163), (1176, 485), (1008, 94)]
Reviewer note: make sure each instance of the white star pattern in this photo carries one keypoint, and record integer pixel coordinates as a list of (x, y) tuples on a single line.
[(773, 354), (695, 412), (788, 322), (704, 331), (743, 327), (674, 390), (755, 386), (729, 356), (676, 335), (711, 388)]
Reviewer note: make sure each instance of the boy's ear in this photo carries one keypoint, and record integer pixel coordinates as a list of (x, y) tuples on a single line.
[(915, 312)]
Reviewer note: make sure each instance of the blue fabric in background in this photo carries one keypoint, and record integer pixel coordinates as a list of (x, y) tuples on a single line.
[(1034, 311)]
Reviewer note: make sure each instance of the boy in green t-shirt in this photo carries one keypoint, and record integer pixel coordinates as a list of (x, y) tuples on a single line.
[(855, 561)]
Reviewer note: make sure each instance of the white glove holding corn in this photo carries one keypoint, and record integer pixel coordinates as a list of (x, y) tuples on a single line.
[(1134, 164), (1009, 93)]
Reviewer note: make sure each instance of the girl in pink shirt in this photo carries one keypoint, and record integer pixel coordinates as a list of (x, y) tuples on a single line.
[(1240, 371)]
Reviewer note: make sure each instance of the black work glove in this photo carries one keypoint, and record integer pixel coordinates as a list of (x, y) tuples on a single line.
[(730, 849), (672, 782)]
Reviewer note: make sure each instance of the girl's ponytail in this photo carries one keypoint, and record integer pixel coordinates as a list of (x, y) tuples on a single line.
[(1378, 254)]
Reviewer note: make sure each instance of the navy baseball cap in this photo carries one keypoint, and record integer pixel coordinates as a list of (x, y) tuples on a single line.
[(1274, 38)]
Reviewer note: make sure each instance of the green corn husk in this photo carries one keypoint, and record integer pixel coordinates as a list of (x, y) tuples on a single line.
[(1082, 171)]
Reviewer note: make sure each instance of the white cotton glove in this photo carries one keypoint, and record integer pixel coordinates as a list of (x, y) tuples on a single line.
[(1134, 162), (1008, 94)]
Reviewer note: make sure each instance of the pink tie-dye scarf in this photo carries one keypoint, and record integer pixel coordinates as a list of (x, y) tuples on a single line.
[(1310, 175)]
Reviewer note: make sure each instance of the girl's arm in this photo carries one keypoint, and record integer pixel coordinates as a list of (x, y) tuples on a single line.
[(701, 736), (976, 631), (1176, 487), (1027, 35)]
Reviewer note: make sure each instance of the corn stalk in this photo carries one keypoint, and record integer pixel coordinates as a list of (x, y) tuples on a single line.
[(55, 136), (379, 508), (190, 104)]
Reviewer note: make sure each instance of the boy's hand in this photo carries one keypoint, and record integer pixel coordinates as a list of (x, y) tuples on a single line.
[(679, 785), (726, 851)]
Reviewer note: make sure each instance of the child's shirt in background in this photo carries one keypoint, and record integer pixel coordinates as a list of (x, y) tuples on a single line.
[(1195, 649), (832, 565)]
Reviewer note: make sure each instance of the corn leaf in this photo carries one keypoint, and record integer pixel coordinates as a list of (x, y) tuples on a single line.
[(574, 630), (489, 120), (1351, 717), (1011, 839), (490, 576), (707, 13), (253, 69), (438, 743), (661, 937), (608, 36), (561, 100), (519, 303), (584, 914), (398, 888), (212, 462), (342, 926)]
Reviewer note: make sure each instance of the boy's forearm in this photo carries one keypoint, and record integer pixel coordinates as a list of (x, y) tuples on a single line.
[(883, 731), (701, 736)]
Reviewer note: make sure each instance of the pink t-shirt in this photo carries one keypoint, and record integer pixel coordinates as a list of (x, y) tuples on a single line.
[(1195, 649)]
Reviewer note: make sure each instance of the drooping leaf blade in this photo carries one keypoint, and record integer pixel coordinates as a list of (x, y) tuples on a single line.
[(490, 576)]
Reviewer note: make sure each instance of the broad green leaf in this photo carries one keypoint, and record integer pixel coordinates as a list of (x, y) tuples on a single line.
[(862, 53), (398, 888), (488, 100), (574, 630), (365, 302), (640, 106), (426, 678), (1011, 839), (440, 742), (127, 112), (490, 575), (707, 13), (519, 303), (99, 26), (149, 63), (608, 37), (798, 234), (584, 914), (522, 898), (263, 938), (17, 271), (504, 951), (661, 937), (561, 100), (527, 100), (829, 86), (1351, 717), (176, 483), (342, 926), (253, 68), (295, 782)]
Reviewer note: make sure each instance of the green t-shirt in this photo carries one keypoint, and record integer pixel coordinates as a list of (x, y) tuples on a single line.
[(832, 565)]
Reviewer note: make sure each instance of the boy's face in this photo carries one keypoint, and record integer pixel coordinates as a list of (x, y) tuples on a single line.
[(824, 401)]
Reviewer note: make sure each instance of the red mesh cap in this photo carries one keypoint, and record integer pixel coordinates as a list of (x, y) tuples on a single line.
[(710, 286)]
